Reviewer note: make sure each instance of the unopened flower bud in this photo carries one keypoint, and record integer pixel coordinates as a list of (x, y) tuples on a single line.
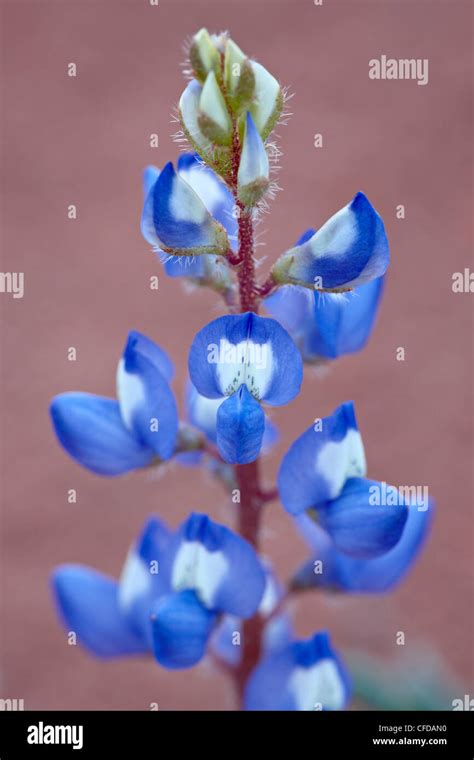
[(253, 175), (214, 120), (203, 55)]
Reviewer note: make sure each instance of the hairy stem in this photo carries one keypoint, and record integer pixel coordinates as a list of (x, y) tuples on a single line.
[(247, 475)]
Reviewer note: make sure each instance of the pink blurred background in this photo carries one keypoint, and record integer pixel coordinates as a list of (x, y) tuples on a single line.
[(85, 141)]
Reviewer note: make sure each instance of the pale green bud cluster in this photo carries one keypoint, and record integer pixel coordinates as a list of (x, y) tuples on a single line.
[(214, 108)]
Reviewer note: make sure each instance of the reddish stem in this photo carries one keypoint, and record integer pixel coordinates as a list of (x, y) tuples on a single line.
[(247, 476)]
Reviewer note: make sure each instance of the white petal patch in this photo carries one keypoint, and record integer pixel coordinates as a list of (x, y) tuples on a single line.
[(135, 581), (245, 362), (185, 205), (204, 411), (209, 189), (198, 569), (318, 686), (338, 461), (130, 392), (336, 236)]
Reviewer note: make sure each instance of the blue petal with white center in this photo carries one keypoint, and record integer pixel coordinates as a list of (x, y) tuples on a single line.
[(327, 325), (147, 404), (240, 427), (91, 430), (306, 675), (254, 169), (220, 566), (358, 524), (350, 249), (219, 202), (250, 350), (88, 604), (377, 575), (180, 629), (316, 466), (180, 219)]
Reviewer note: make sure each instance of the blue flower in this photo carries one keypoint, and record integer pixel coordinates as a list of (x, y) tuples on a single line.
[(247, 359), (176, 220), (305, 675), (322, 473), (217, 200), (350, 249), (334, 570), (326, 325), (112, 437), (173, 589)]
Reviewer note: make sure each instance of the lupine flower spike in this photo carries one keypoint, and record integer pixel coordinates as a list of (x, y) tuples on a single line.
[(203, 590)]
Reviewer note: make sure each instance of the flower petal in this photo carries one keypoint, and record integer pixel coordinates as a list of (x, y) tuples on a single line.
[(344, 573), (306, 675), (247, 349), (327, 325), (220, 566), (92, 432), (181, 221), (202, 413), (147, 404), (240, 427), (351, 248), (317, 465), (150, 350), (88, 604), (358, 525), (216, 197), (180, 627), (143, 577)]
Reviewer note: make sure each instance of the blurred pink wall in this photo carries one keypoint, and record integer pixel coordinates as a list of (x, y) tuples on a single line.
[(85, 141)]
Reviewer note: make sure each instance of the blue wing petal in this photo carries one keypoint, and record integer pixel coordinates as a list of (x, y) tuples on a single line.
[(342, 323), (240, 427), (327, 325), (248, 349), (147, 404), (316, 466), (377, 575), (88, 604), (358, 524), (180, 627), (91, 430)]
